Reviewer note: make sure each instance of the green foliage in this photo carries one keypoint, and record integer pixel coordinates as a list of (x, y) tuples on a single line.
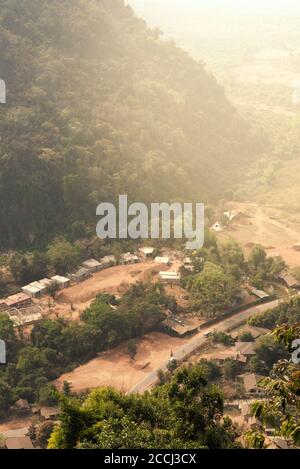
[(43, 433), (3, 285), (184, 413), (172, 365), (7, 332), (233, 260), (264, 269), (97, 103), (6, 397), (255, 440), (213, 290), (231, 369), (53, 289), (26, 268), (246, 337), (268, 351), (219, 337), (63, 256), (285, 313), (211, 370), (282, 388), (132, 348), (47, 396)]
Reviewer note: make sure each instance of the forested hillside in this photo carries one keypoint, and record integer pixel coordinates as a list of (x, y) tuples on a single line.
[(99, 105)]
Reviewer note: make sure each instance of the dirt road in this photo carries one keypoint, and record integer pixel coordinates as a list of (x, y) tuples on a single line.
[(193, 344)]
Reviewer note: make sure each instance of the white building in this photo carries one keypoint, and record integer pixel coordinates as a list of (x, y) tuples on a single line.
[(63, 282), (162, 260), (46, 281), (146, 252), (31, 291), (170, 278), (80, 275), (108, 261), (41, 286), (93, 265), (129, 258)]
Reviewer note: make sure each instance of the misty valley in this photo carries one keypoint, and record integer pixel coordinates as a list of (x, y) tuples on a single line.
[(149, 228)]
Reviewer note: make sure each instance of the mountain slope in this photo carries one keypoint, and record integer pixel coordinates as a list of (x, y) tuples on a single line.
[(97, 106)]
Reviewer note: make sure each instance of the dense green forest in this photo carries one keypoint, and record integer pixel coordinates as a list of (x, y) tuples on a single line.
[(99, 105)]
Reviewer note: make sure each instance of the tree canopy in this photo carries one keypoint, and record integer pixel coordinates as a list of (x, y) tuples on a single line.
[(99, 105), (186, 412)]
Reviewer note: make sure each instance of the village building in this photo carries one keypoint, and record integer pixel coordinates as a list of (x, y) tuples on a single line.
[(19, 300), (41, 286), (251, 384), (49, 413), (278, 442), (80, 275), (187, 261), (93, 265), (47, 282), (170, 278), (22, 442), (188, 264), (128, 258), (241, 359), (221, 357), (262, 295), (245, 348), (63, 282), (290, 281), (108, 261), (33, 291), (25, 316), (146, 252), (162, 260)]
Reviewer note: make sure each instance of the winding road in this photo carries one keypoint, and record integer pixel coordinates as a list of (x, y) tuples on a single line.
[(200, 339)]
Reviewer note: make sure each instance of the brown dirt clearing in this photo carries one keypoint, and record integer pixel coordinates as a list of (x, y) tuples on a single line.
[(115, 368)]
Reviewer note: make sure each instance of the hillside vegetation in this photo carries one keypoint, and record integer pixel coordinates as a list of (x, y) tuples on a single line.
[(99, 105)]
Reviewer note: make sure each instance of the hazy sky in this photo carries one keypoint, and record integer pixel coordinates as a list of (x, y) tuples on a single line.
[(232, 4)]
